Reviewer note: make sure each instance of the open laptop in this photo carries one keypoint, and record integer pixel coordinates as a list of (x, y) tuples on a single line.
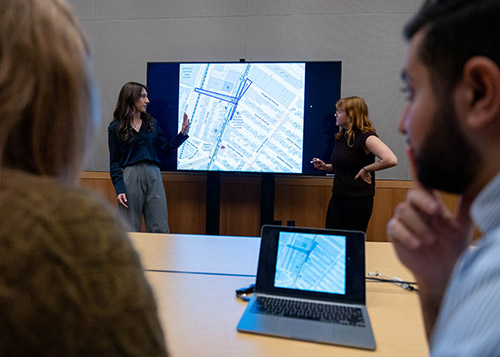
[(310, 286)]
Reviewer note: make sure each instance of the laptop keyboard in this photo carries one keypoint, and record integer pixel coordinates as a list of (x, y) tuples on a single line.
[(299, 309)]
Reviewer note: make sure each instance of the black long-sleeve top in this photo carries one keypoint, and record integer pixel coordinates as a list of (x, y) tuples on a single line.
[(140, 147)]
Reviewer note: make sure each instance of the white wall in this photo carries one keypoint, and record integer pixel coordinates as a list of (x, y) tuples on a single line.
[(364, 34)]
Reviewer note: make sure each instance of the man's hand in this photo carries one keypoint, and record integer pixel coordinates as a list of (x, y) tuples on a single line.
[(428, 240)]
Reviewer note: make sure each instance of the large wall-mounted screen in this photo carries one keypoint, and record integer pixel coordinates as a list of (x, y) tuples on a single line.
[(247, 117)]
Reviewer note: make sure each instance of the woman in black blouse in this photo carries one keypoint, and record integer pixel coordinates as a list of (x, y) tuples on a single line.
[(354, 165), (134, 138)]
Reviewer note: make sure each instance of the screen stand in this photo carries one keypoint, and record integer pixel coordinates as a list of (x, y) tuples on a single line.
[(267, 199), (213, 203)]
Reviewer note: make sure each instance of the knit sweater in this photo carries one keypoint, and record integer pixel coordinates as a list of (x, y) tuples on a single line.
[(71, 283)]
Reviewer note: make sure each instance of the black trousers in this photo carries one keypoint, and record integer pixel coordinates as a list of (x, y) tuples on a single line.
[(351, 213)]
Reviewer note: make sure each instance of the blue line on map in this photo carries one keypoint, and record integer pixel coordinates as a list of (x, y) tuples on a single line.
[(307, 252), (223, 97), (226, 98)]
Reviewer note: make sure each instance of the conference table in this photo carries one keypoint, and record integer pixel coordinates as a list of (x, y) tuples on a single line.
[(194, 277)]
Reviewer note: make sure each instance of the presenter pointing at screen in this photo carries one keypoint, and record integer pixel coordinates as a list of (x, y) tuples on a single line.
[(134, 139), (353, 163)]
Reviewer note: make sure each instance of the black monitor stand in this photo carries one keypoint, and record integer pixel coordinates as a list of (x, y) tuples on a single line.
[(267, 199), (213, 201)]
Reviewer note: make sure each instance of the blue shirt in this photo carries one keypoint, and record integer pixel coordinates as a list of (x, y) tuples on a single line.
[(469, 319), (140, 147)]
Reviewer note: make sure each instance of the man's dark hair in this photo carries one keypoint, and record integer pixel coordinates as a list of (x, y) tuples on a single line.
[(455, 31)]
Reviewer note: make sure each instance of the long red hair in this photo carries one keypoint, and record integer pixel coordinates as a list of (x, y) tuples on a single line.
[(356, 111)]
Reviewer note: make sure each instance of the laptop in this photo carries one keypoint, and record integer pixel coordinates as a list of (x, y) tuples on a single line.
[(310, 286)]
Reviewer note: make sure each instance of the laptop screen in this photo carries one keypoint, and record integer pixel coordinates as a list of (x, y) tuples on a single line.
[(313, 262)]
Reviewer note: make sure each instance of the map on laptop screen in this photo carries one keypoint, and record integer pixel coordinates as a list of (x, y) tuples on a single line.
[(312, 262)]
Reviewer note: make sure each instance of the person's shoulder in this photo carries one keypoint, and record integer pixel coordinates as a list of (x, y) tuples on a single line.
[(366, 134), (470, 310), (154, 121), (483, 254), (479, 269), (363, 137), (54, 208), (45, 216), (67, 249), (113, 125)]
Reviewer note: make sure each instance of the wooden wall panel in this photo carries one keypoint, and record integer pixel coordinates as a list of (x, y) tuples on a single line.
[(386, 199), (186, 197), (99, 182), (240, 206), (303, 200)]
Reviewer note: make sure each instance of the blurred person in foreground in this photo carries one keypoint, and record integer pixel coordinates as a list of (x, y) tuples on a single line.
[(71, 283), (452, 121)]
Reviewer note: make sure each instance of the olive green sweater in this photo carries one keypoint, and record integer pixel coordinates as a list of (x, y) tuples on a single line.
[(71, 283)]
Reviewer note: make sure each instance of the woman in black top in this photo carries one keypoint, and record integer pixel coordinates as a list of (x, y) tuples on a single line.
[(134, 138), (353, 164)]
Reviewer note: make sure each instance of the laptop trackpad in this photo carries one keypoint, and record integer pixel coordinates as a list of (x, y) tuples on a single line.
[(305, 329)]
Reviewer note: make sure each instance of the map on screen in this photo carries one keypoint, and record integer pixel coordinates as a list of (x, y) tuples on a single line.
[(311, 262), (246, 117)]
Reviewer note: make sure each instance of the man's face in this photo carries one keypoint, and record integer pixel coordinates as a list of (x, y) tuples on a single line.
[(440, 155)]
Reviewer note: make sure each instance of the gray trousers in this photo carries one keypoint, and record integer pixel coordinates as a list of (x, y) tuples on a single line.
[(145, 195)]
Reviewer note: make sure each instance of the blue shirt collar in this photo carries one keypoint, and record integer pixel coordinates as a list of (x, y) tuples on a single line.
[(485, 209)]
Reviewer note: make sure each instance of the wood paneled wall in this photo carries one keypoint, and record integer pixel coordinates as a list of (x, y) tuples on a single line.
[(303, 200)]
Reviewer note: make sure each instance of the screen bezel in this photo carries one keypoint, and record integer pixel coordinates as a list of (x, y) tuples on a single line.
[(322, 90), (355, 264)]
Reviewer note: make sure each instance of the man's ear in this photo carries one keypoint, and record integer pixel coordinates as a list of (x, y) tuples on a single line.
[(479, 92)]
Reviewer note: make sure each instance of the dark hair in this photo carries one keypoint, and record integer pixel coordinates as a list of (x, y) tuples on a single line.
[(125, 109), (455, 31)]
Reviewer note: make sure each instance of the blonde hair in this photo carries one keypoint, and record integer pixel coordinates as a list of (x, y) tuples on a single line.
[(48, 105), (356, 111)]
